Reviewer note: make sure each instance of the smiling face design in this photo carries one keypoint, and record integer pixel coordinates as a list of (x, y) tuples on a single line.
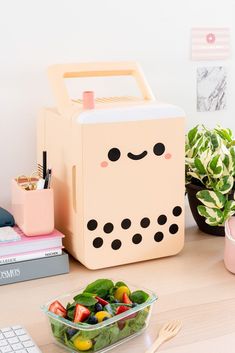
[(133, 189), (114, 154)]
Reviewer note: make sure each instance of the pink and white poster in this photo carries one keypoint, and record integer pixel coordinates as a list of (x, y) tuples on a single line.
[(210, 44)]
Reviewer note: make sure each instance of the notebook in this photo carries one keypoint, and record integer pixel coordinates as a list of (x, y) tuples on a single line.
[(36, 243)]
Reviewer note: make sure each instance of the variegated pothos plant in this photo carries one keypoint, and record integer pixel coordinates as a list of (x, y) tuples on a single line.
[(210, 160)]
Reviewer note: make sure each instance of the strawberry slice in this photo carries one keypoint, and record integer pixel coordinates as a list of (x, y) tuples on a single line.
[(121, 309), (126, 299), (81, 313), (102, 301), (58, 309)]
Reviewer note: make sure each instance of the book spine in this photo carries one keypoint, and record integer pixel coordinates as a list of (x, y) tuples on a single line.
[(29, 256), (20, 247), (32, 269)]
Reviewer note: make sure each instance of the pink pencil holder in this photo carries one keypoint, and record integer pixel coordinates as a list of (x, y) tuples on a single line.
[(229, 250), (33, 210)]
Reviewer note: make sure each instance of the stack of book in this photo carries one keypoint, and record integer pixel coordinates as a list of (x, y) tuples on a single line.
[(27, 258)]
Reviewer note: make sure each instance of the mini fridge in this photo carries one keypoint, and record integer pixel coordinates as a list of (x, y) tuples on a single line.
[(117, 169)]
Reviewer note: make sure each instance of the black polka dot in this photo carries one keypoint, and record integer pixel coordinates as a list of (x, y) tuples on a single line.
[(114, 154), (159, 149), (98, 242), (162, 219), (173, 229), (108, 228), (126, 223), (116, 244), (137, 238), (145, 222), (158, 236), (177, 210), (92, 224)]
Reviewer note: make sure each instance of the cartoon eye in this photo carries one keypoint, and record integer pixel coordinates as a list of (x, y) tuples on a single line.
[(114, 154), (159, 149)]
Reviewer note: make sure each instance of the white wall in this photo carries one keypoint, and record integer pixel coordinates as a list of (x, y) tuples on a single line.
[(37, 33)]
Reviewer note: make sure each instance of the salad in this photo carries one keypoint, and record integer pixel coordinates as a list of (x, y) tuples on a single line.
[(104, 313)]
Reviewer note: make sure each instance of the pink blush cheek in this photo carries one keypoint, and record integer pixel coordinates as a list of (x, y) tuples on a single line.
[(168, 155), (104, 164)]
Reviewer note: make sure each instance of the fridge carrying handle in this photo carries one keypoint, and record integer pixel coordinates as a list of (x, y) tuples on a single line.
[(57, 74)]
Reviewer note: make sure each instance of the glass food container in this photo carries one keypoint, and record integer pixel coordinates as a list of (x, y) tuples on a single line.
[(102, 336)]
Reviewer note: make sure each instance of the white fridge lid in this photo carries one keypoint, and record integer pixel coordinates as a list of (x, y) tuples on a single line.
[(150, 111)]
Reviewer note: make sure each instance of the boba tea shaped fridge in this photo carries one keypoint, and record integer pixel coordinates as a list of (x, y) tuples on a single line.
[(117, 169)]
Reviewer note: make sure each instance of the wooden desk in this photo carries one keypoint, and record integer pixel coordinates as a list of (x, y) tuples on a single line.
[(193, 286)]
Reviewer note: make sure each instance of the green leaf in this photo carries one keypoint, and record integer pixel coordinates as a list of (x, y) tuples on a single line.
[(232, 153), (215, 166), (87, 334), (140, 320), (70, 312), (192, 134), (113, 289), (100, 287), (139, 297), (202, 210), (232, 205), (199, 165), (197, 146), (126, 331), (86, 299), (113, 334), (120, 284), (212, 199), (229, 210), (58, 328), (215, 141), (205, 157), (214, 162), (226, 161), (212, 213), (225, 184), (189, 161), (68, 342), (225, 134), (195, 175), (102, 341), (213, 222), (228, 164)]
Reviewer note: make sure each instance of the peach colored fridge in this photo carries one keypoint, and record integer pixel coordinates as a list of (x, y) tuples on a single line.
[(117, 169)]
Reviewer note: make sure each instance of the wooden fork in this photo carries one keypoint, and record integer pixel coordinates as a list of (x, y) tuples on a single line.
[(168, 331)]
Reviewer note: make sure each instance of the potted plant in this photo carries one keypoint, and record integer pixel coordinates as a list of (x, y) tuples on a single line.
[(209, 174)]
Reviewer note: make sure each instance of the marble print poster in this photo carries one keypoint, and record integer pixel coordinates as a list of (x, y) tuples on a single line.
[(211, 88)]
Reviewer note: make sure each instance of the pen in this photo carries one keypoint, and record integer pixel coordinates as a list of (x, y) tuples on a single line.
[(44, 164)]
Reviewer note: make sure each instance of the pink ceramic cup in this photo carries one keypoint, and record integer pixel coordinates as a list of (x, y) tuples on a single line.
[(229, 250)]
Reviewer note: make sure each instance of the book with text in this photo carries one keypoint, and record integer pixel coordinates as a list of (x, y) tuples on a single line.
[(30, 255), (32, 269), (27, 244)]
